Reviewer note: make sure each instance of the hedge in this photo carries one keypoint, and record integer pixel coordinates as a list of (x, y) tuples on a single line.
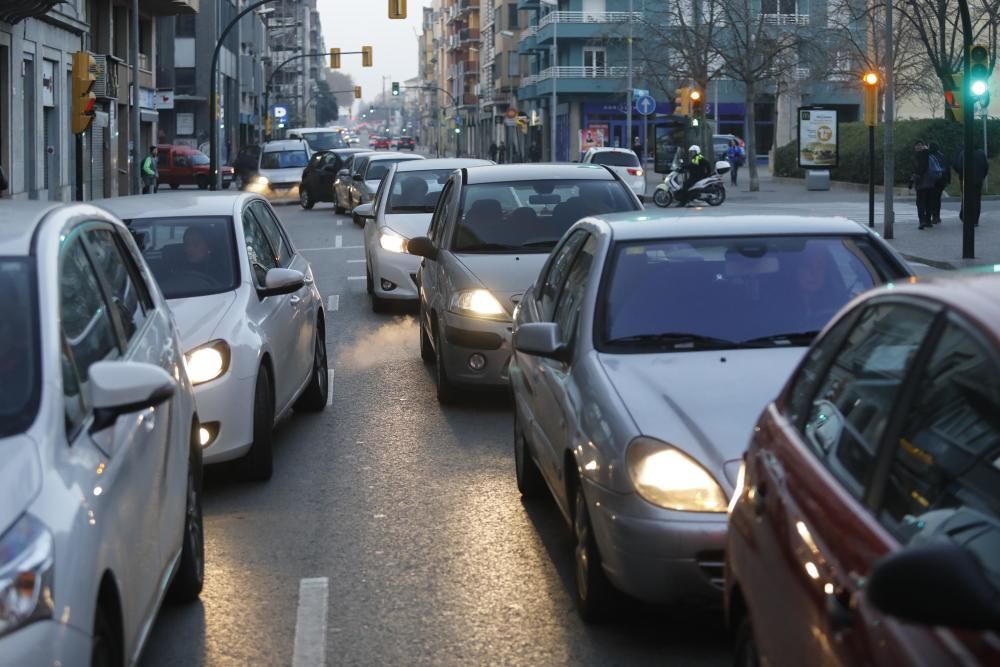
[(854, 148)]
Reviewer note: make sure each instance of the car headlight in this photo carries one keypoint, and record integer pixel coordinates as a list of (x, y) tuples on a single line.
[(671, 479), (26, 561), (476, 302), (392, 241), (207, 362), (261, 180)]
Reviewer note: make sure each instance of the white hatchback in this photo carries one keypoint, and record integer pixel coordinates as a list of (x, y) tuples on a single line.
[(100, 468), (250, 316), (623, 162)]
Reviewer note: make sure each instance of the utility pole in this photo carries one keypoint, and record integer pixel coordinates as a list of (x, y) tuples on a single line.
[(968, 167), (888, 160), (631, 85), (555, 80), (133, 124)]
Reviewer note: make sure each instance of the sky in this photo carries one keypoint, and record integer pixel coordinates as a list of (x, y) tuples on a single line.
[(351, 24)]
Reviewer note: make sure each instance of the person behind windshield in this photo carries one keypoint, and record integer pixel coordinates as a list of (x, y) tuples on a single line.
[(413, 194), (695, 169), (197, 252)]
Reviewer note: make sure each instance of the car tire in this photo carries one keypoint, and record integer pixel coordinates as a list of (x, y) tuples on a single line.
[(314, 398), (369, 283), (379, 305), (595, 597), (174, 186), (305, 198), (529, 477), (426, 348), (106, 644), (202, 183), (745, 654), (190, 576), (258, 464), (447, 392)]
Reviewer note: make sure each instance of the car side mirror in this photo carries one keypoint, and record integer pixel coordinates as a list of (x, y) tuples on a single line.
[(940, 583), (541, 339), (422, 247), (281, 281), (365, 211), (357, 177), (121, 387)]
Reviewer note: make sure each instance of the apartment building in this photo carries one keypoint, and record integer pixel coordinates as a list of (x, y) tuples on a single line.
[(500, 75), (297, 60)]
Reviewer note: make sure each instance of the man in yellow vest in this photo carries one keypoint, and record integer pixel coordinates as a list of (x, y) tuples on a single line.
[(150, 177)]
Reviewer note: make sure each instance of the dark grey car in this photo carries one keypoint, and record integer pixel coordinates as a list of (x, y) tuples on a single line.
[(491, 232)]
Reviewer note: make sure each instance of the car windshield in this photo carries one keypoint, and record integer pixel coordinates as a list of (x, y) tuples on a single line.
[(199, 158), (531, 216), (722, 293), (417, 191), (283, 159), (324, 141), (377, 169), (189, 256), (615, 159), (20, 379)]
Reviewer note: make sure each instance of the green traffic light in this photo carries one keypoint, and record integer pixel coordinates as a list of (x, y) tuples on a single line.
[(978, 88), (458, 130)]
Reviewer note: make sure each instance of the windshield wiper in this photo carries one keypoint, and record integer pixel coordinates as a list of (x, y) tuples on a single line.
[(411, 209), (675, 339), (539, 244), (480, 247), (788, 338)]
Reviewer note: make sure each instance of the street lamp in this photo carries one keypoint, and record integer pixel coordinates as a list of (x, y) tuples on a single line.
[(871, 84)]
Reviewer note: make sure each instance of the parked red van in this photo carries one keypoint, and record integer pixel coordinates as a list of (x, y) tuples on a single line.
[(865, 526), (179, 165)]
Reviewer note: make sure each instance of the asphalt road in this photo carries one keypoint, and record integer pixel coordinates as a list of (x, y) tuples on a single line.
[(411, 513)]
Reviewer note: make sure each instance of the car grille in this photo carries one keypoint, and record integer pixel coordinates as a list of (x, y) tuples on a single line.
[(712, 565), (284, 186)]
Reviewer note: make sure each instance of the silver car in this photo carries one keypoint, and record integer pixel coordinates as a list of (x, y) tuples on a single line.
[(490, 234), (402, 209), (279, 169), (644, 353), (367, 173)]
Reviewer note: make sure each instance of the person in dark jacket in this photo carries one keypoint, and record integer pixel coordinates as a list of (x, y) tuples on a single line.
[(972, 197), (935, 154), (923, 182)]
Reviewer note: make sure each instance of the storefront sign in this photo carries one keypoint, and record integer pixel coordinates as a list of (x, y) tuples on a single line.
[(819, 146), (592, 137), (164, 100), (185, 124)]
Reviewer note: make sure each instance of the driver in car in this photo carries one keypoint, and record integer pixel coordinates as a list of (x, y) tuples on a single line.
[(197, 256)]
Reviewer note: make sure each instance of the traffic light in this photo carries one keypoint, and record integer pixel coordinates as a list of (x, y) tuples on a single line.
[(397, 9), (357, 92), (371, 110), (334, 58), (871, 83), (458, 130), (979, 70), (395, 88), (84, 77), (682, 103), (954, 98), (696, 102), (366, 56)]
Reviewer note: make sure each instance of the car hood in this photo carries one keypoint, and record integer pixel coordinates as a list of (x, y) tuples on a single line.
[(705, 403), (20, 477), (198, 317), (290, 175), (409, 224), (508, 276)]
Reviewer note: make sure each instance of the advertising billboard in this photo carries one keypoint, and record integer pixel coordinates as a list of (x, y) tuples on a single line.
[(818, 138)]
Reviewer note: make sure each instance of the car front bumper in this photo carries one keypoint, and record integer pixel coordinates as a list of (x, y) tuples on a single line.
[(660, 556), (399, 268), (274, 192), (46, 644), (464, 336), (227, 405)]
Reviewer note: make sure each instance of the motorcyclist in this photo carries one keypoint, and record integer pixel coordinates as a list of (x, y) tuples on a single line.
[(695, 168)]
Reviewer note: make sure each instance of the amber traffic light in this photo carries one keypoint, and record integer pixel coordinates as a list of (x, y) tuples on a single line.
[(334, 58), (397, 9), (682, 103), (357, 92), (84, 99), (871, 82), (696, 102), (366, 56)]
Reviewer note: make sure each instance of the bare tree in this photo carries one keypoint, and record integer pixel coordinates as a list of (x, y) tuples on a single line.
[(754, 51)]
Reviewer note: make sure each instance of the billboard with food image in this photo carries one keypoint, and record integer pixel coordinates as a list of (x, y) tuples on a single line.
[(818, 147)]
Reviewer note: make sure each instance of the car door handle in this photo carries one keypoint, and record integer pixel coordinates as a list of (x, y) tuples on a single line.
[(307, 281), (295, 300)]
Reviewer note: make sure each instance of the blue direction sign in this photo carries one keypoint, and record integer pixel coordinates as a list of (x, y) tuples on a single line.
[(645, 105)]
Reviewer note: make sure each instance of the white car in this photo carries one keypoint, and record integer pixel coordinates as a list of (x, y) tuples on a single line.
[(100, 466), (279, 169), (623, 162), (402, 209), (250, 316)]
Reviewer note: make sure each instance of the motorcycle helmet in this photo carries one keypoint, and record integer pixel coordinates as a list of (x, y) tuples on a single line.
[(694, 149)]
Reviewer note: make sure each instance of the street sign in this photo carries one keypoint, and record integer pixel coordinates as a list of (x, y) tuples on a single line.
[(164, 99), (645, 105), (640, 92), (280, 112)]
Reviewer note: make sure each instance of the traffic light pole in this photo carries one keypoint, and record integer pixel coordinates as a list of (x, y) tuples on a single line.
[(79, 167), (871, 176), (968, 118)]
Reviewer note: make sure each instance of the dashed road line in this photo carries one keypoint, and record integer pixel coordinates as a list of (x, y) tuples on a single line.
[(333, 302), (310, 623), (356, 277), (329, 387), (356, 261), (340, 223), (338, 242)]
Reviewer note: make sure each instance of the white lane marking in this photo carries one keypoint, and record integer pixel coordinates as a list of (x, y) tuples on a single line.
[(310, 623), (333, 302), (356, 277), (340, 223), (338, 242), (329, 387), (356, 261), (345, 247)]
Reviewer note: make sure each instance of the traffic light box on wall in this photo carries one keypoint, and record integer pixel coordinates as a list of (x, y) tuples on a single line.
[(395, 88), (682, 102), (84, 99)]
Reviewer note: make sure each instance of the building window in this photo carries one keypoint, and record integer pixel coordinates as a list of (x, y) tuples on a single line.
[(184, 81), (184, 27), (514, 66), (513, 21)]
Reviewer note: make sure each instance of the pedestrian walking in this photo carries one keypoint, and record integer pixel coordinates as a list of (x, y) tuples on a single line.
[(502, 153), (637, 146), (735, 155), (493, 151), (937, 165), (973, 196), (150, 177), (923, 182)]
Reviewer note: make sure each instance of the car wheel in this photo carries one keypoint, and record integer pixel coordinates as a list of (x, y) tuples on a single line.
[(258, 464), (594, 594), (426, 349), (529, 477), (238, 180), (202, 183), (447, 392), (305, 199), (105, 647), (369, 283), (746, 648), (314, 398), (190, 577), (174, 186)]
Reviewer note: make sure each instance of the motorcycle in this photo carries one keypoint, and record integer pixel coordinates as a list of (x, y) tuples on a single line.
[(709, 189)]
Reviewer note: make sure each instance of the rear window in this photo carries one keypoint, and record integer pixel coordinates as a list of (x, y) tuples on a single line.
[(283, 159), (323, 141), (377, 169), (417, 191), (615, 159)]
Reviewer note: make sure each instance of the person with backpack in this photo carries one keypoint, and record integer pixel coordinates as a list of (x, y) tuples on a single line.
[(938, 167), (736, 156), (924, 183), (149, 174)]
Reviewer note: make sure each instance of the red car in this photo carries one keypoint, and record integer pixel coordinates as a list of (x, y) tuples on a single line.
[(179, 165), (380, 143), (865, 526), (408, 143)]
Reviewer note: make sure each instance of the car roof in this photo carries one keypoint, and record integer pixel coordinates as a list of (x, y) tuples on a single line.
[(393, 156), (537, 172), (976, 295), (347, 151), (610, 149), (175, 204), (645, 224), (18, 221), (440, 163), (311, 129), (283, 144)]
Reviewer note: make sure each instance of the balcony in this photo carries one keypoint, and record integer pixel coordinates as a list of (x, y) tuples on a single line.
[(576, 79), (785, 19), (468, 35), (528, 41), (528, 4), (463, 6), (585, 25)]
